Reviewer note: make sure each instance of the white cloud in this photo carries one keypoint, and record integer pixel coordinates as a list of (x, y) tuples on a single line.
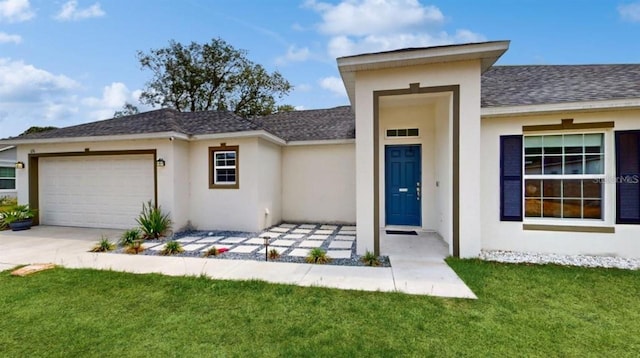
[(6, 38), (361, 26), (294, 54), (335, 85), (630, 12), (70, 12), (25, 83), (15, 11), (303, 87), (113, 98)]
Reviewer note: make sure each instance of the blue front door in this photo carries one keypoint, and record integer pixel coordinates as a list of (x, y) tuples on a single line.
[(402, 185)]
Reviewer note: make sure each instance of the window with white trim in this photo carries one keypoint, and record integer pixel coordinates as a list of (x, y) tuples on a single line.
[(223, 172), (564, 176), (7, 178)]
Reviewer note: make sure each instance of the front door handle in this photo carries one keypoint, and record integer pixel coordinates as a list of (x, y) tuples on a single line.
[(418, 191)]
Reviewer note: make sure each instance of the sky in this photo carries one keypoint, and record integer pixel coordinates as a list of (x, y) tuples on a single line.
[(69, 62)]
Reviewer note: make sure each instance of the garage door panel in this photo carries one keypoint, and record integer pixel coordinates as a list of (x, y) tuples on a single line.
[(95, 191)]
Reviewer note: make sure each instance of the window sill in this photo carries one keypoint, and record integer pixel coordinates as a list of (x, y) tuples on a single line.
[(570, 228)]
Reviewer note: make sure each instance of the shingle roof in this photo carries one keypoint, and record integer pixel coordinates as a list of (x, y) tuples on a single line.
[(315, 124), (162, 120), (546, 84)]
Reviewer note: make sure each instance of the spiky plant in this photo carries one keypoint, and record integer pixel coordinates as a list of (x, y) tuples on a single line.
[(370, 259), (103, 245), (212, 251), (134, 247), (172, 248), (130, 236), (153, 222), (317, 256), (274, 254)]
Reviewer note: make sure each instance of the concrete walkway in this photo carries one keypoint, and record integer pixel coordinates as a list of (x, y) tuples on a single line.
[(68, 247)]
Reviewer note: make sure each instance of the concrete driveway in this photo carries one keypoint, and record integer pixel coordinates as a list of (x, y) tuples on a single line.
[(68, 247)]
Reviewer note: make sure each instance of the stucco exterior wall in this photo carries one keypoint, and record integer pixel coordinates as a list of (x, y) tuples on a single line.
[(181, 183), (443, 169), (269, 181), (502, 235), (318, 183), (463, 73)]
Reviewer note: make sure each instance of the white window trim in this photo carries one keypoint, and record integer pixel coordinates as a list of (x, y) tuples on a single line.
[(15, 180), (216, 167), (608, 189), (401, 137)]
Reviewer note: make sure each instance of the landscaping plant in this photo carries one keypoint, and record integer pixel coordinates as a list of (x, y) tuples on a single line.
[(153, 222), (130, 236), (17, 213), (212, 251), (317, 256), (370, 259), (171, 248), (134, 248), (274, 254), (103, 245)]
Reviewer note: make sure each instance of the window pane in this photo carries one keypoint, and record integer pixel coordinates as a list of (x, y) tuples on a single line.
[(413, 132), (532, 145), (593, 143), (553, 165), (592, 209), (230, 155), (592, 189), (7, 172), (551, 208), (532, 188), (533, 207), (552, 144), (573, 143), (572, 209), (391, 133), (573, 164), (552, 188), (533, 165), (7, 183), (572, 188), (595, 164)]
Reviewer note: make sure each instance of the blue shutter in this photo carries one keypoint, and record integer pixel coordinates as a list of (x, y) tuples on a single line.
[(628, 177), (511, 178)]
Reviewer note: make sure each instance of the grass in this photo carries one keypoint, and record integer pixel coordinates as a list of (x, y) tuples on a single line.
[(522, 311)]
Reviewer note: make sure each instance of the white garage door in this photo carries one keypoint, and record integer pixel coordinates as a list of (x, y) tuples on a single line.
[(94, 191)]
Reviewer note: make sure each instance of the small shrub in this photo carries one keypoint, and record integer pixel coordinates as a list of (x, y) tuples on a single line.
[(370, 259), (134, 248), (130, 236), (153, 222), (212, 251), (274, 254), (103, 245), (318, 256), (17, 213), (171, 248)]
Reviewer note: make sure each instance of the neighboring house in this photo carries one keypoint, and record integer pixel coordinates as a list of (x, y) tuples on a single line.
[(8, 171), (527, 158)]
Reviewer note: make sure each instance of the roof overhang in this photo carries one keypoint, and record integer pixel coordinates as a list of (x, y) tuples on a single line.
[(2, 149), (487, 52), (551, 108)]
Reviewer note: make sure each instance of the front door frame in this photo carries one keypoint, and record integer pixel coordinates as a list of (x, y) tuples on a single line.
[(386, 180), (414, 88)]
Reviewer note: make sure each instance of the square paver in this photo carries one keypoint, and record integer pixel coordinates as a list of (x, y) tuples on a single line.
[(345, 237), (244, 249), (310, 243), (279, 249), (283, 243), (349, 228), (193, 247), (280, 229), (155, 248), (301, 231), (148, 245), (233, 240), (255, 241), (299, 252), (346, 232), (270, 234), (340, 244), (318, 237), (294, 236), (328, 227), (288, 226), (188, 239), (210, 239), (218, 246), (307, 226), (323, 232), (339, 254)]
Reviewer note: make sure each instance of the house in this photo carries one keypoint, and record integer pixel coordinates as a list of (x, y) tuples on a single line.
[(523, 158), (8, 171)]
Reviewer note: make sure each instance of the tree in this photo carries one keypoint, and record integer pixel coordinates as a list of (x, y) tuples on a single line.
[(36, 129), (127, 110), (285, 108), (211, 76)]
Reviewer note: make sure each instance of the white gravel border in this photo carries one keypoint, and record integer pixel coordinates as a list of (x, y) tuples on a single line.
[(567, 260)]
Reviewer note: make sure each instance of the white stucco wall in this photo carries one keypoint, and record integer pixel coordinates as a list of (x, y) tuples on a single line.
[(443, 169), (318, 183), (497, 235), (181, 183), (463, 73), (269, 181)]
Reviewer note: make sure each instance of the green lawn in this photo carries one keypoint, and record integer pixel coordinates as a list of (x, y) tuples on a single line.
[(522, 310)]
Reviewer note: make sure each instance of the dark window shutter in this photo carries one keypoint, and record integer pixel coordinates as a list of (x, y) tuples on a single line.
[(511, 178), (628, 177)]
